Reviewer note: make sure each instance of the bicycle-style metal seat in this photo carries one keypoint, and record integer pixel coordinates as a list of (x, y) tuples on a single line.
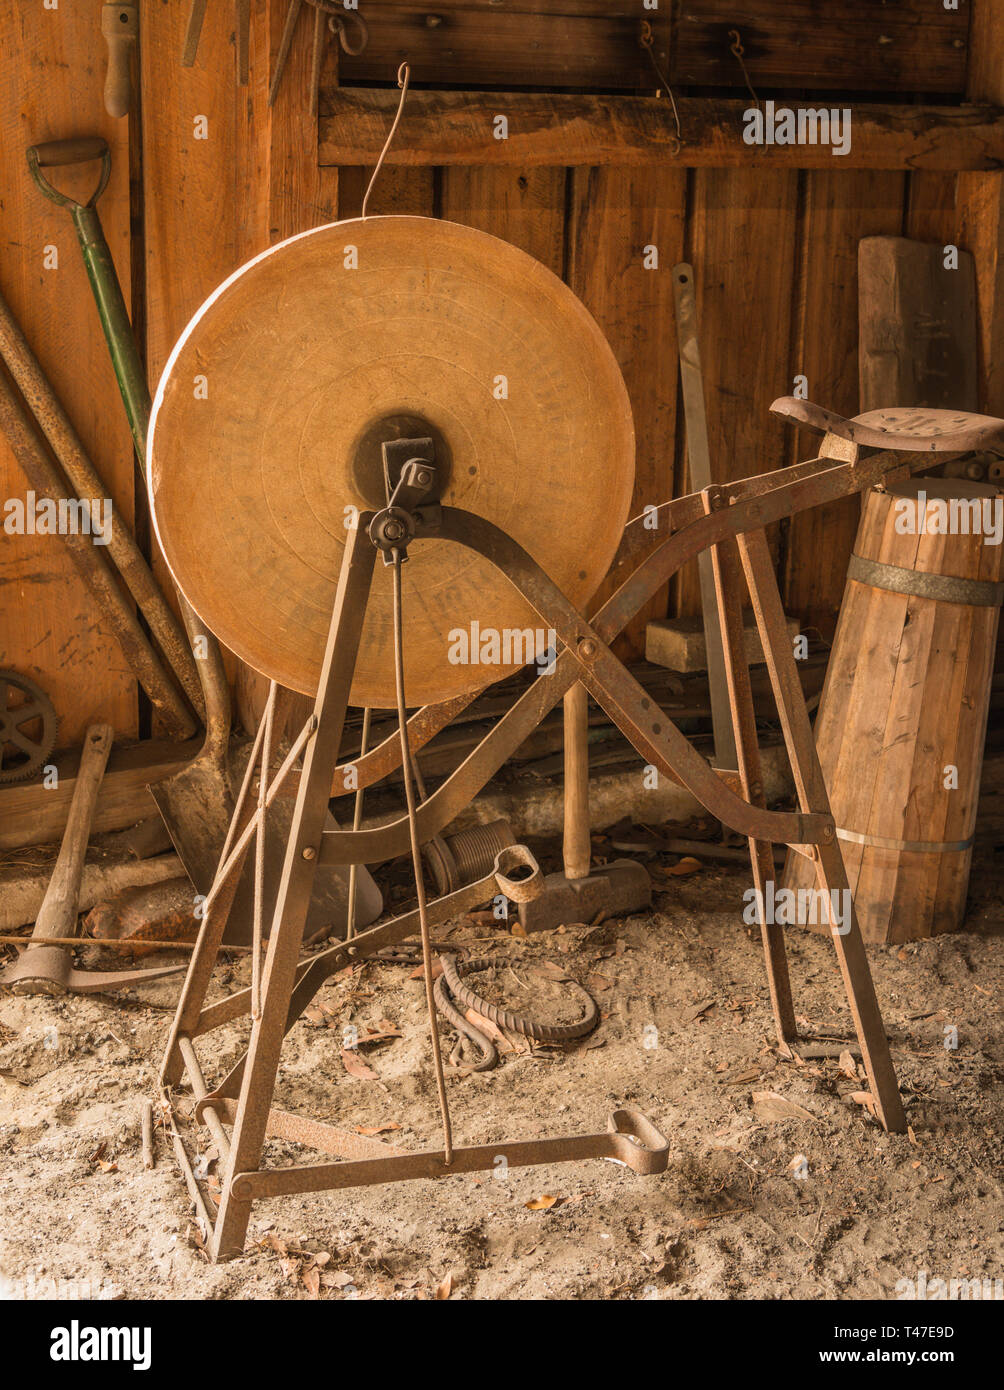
[(913, 429)]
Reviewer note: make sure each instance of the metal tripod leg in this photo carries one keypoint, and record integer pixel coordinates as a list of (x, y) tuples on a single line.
[(219, 904), (810, 785), (295, 888), (727, 580)]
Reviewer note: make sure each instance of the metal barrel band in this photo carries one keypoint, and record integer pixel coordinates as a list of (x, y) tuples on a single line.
[(943, 588), (912, 846)]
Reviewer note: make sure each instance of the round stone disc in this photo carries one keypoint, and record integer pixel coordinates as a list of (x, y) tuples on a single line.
[(268, 424)]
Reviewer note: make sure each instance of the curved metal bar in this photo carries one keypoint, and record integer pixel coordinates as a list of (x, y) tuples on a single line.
[(739, 507), (607, 679), (672, 517), (681, 512), (651, 731), (383, 842), (382, 760)]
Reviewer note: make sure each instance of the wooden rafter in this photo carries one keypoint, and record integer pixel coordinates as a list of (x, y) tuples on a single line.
[(444, 128)]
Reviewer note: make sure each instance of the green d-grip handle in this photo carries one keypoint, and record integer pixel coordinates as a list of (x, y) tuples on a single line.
[(101, 272), (79, 150)]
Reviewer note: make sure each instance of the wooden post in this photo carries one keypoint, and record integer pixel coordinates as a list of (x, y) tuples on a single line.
[(576, 847)]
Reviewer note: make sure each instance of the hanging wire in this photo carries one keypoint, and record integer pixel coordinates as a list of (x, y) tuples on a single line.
[(647, 41), (357, 820), (737, 52), (403, 78), (407, 769)]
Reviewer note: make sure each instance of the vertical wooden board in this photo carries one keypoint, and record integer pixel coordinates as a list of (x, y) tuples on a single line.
[(196, 212), (398, 192), (190, 183), (916, 326), (930, 207), (525, 208), (615, 215), (840, 208), (980, 203), (286, 189), (281, 189), (980, 222), (742, 239), (52, 67)]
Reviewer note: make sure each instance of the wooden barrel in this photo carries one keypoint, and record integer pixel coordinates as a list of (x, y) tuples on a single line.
[(902, 719)]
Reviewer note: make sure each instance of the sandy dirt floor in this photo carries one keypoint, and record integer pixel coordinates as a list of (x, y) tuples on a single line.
[(802, 1197)]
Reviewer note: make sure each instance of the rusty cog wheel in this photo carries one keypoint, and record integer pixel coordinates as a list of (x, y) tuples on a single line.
[(28, 727)]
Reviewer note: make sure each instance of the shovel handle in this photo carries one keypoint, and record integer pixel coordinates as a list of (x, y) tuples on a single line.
[(78, 150), (58, 914), (576, 845)]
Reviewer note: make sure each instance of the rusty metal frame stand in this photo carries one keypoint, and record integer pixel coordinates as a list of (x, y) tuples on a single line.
[(729, 519)]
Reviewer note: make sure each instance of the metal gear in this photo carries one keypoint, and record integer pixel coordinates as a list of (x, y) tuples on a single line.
[(28, 725)]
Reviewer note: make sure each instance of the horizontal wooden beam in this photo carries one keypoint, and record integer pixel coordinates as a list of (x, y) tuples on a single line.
[(33, 814), (904, 46), (459, 128)]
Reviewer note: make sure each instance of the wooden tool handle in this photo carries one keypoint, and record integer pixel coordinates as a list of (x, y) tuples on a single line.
[(77, 150), (576, 847), (120, 25), (58, 914)]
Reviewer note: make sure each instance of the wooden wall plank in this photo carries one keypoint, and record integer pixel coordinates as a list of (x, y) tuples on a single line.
[(288, 192), (492, 47), (281, 189), (902, 45), (840, 209), (742, 247), (52, 66), (398, 191), (190, 184), (459, 128), (526, 209), (615, 215), (930, 209), (896, 45), (195, 212), (980, 207)]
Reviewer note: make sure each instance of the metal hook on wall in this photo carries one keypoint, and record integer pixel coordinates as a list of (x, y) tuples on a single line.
[(737, 52), (647, 40)]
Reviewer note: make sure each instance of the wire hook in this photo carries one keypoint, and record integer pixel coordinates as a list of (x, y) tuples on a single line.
[(737, 52), (647, 40), (403, 78)]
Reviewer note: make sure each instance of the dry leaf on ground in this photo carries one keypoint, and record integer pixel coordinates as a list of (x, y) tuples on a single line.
[(864, 1098), (687, 865), (770, 1105), (355, 1066), (544, 1203)]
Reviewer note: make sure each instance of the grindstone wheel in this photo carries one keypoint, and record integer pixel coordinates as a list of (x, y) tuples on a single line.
[(267, 432)]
